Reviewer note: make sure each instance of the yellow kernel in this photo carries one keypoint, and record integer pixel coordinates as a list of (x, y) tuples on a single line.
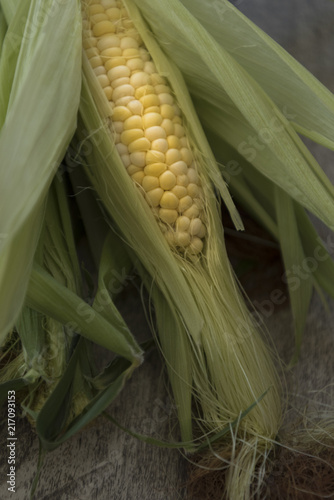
[(165, 98), (169, 200), (139, 79), (184, 142), (156, 132), (193, 190), (107, 4), (135, 64), (155, 157), (122, 149), (108, 92), (100, 70), (152, 109), (120, 81), (110, 52), (179, 191), (114, 62), (138, 177), (102, 28), (144, 54), (124, 101), (121, 113), (167, 111), (154, 196), (155, 169), (138, 158), (159, 145), (130, 53), (95, 61), (118, 127), (202, 232), (167, 180), (149, 100), (150, 182), (108, 42), (135, 107), (113, 13), (173, 156), (173, 142), (122, 91), (187, 156), (104, 80), (128, 42), (182, 180), (126, 160), (192, 212), (167, 215), (150, 68), (91, 52), (141, 144), (97, 18), (177, 120), (162, 89), (195, 226), (185, 203), (144, 90), (132, 169), (178, 168), (193, 176), (89, 42), (157, 79), (95, 9), (182, 223), (118, 72), (129, 136), (151, 119), (182, 238), (196, 245), (134, 121), (168, 126), (179, 130)]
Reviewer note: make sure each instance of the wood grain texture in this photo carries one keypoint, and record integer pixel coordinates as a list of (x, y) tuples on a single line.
[(104, 463)]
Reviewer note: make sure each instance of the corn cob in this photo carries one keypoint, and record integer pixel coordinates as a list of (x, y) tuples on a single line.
[(147, 124)]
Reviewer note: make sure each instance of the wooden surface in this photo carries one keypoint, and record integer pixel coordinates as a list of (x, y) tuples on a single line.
[(102, 462)]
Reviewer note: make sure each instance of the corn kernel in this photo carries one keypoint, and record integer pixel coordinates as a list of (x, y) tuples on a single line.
[(167, 215), (167, 180), (138, 159), (141, 144), (155, 157), (151, 119), (153, 197), (169, 200), (121, 113), (102, 28), (135, 121), (178, 168), (129, 136), (155, 169)]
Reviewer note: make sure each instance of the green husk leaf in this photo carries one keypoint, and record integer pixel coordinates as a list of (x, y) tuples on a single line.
[(3, 29), (300, 285), (31, 148)]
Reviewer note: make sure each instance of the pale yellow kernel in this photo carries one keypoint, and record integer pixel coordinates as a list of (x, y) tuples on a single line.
[(192, 212), (130, 53), (95, 9), (162, 89), (95, 61), (107, 42), (156, 132), (185, 203), (122, 91), (129, 136), (151, 119), (177, 119), (135, 64), (179, 191), (193, 176), (173, 142), (92, 52), (108, 92), (140, 79), (123, 9), (102, 28), (182, 180), (126, 160), (134, 121), (113, 13), (168, 126), (103, 80), (117, 138), (127, 23), (132, 169), (184, 142), (167, 180), (179, 130), (167, 215), (154, 157), (150, 182), (144, 54), (160, 145), (167, 111), (157, 79), (138, 177), (100, 70), (187, 156), (155, 169), (150, 100), (182, 223), (166, 99), (118, 127), (195, 226), (193, 190), (202, 231), (97, 18), (182, 238), (129, 43), (118, 72), (173, 156), (196, 245), (178, 168), (121, 113), (199, 202), (138, 158), (141, 144), (120, 81), (110, 52), (144, 90), (150, 68), (107, 4), (122, 149), (152, 109), (135, 107), (89, 42), (153, 197), (114, 62), (124, 101), (169, 200)]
